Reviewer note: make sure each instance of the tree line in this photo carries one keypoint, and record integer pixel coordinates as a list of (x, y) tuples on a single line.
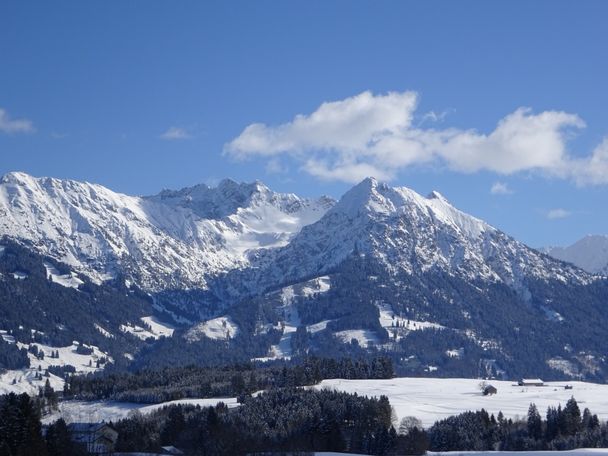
[(561, 429), (305, 420), (171, 383), (21, 430), (280, 420)]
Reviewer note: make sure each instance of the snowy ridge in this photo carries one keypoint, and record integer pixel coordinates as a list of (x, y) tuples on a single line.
[(181, 239), (411, 234), (172, 240)]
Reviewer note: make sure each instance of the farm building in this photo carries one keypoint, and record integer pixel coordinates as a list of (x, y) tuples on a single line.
[(531, 382), (489, 390), (97, 438)]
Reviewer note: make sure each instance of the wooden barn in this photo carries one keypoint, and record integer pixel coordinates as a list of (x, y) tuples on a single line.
[(489, 390), (531, 382)]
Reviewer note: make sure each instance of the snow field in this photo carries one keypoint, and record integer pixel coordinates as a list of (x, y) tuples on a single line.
[(76, 411), (432, 399), (158, 329), (24, 381), (220, 328), (66, 280)]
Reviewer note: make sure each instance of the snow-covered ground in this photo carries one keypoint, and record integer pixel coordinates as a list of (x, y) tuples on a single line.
[(20, 275), (364, 337), (157, 329), (76, 411), (398, 326), (428, 399), (70, 280), (199, 231), (431, 399), (25, 381), (220, 328), (291, 318)]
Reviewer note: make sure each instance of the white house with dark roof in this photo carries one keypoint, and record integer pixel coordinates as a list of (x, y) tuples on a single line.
[(98, 438)]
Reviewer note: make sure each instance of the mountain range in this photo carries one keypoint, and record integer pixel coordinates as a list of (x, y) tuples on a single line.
[(239, 272), (589, 253)]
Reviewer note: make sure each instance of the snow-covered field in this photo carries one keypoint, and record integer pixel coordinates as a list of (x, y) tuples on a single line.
[(431, 399), (70, 280), (364, 337), (25, 381), (76, 411), (220, 328), (157, 330)]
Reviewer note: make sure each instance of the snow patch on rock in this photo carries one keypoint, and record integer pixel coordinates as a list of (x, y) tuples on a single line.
[(70, 280)]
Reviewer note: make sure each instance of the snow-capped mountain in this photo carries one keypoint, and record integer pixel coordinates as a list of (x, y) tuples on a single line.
[(589, 253), (411, 234), (435, 287), (255, 274), (176, 239)]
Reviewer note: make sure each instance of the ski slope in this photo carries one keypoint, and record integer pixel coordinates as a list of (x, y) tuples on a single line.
[(432, 399)]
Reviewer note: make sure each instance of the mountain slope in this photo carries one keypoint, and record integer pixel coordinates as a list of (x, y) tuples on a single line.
[(262, 275), (589, 253), (424, 281), (56, 311), (172, 240), (410, 234)]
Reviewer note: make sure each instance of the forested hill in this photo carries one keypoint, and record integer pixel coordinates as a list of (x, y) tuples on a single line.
[(42, 302)]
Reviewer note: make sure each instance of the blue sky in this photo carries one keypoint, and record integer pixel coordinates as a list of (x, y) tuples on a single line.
[(145, 95)]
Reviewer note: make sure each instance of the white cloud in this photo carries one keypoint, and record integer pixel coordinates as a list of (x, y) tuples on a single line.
[(521, 141), (592, 170), (174, 133), (371, 134), (500, 188), (555, 214), (11, 126)]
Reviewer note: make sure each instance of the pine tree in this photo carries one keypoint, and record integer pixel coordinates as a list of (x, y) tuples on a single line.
[(59, 440), (571, 418), (534, 423)]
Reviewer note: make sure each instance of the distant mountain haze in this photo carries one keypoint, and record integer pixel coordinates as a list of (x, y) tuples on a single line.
[(589, 253)]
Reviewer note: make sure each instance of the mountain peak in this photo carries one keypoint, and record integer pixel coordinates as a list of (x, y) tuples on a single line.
[(367, 196), (369, 181), (17, 177), (436, 195)]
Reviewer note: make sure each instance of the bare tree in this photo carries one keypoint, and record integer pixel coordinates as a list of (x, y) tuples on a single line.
[(408, 423)]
